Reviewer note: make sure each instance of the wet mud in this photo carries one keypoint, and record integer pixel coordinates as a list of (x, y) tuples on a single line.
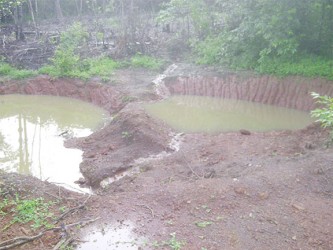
[(270, 190)]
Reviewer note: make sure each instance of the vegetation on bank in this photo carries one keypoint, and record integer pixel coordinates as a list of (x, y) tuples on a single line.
[(324, 114), (67, 61), (9, 72), (271, 37), (34, 212)]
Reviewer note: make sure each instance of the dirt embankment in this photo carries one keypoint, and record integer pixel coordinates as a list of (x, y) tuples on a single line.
[(289, 92), (131, 135), (102, 95)]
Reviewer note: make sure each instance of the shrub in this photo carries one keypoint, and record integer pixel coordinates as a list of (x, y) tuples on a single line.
[(303, 65), (9, 72), (144, 61), (324, 115)]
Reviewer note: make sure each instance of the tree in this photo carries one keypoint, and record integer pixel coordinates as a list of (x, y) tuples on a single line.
[(248, 33), (13, 9)]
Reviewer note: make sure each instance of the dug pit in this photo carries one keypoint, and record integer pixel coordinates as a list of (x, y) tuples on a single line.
[(213, 115), (271, 188), (135, 134), (33, 130)]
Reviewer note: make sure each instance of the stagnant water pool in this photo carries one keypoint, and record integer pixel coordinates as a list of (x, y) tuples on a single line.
[(33, 130), (207, 114)]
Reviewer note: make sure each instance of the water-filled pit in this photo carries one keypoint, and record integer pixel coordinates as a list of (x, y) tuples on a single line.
[(208, 114), (33, 130)]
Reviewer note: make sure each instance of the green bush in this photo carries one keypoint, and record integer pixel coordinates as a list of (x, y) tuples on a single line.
[(144, 61), (9, 72), (67, 62), (85, 69), (102, 66), (324, 114), (304, 65), (212, 51), (208, 51)]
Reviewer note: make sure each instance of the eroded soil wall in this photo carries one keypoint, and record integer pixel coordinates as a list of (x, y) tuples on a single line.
[(104, 96), (289, 92)]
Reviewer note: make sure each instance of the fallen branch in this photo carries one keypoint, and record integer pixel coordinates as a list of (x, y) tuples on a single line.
[(63, 243), (189, 166), (72, 210), (19, 241), (8, 244)]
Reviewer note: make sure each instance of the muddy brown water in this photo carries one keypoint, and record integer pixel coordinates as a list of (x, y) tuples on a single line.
[(33, 130), (208, 114)]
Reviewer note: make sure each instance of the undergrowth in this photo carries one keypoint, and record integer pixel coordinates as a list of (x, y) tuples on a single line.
[(9, 72), (324, 113), (68, 63), (172, 243), (85, 69), (144, 61), (220, 51), (23, 211), (306, 65)]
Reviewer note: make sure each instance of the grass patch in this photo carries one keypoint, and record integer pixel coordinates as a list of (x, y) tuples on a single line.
[(173, 243), (220, 52), (9, 72), (85, 69), (23, 211), (307, 65), (144, 61)]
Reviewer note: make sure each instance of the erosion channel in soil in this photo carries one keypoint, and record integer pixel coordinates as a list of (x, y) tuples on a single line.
[(222, 191)]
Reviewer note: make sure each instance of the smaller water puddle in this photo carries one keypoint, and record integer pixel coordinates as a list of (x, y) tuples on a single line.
[(33, 130), (115, 237), (211, 115)]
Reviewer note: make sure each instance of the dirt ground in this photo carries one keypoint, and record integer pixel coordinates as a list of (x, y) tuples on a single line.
[(271, 190)]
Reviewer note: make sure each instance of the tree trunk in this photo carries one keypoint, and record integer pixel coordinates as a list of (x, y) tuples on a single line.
[(31, 9), (36, 9), (18, 13), (60, 17)]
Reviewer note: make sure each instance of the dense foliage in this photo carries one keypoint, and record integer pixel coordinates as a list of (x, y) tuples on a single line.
[(9, 72), (275, 37), (324, 114), (280, 37)]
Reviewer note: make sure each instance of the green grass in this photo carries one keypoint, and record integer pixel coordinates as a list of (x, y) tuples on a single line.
[(212, 51), (85, 69), (144, 61), (306, 65), (103, 67), (35, 211), (67, 64), (23, 211), (173, 243), (9, 72)]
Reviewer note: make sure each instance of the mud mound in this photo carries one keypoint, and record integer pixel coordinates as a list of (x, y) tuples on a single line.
[(289, 92), (131, 135)]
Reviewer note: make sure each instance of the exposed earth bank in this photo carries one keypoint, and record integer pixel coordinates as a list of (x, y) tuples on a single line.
[(268, 190)]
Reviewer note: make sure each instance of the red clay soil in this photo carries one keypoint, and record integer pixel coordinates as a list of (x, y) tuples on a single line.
[(271, 190)]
